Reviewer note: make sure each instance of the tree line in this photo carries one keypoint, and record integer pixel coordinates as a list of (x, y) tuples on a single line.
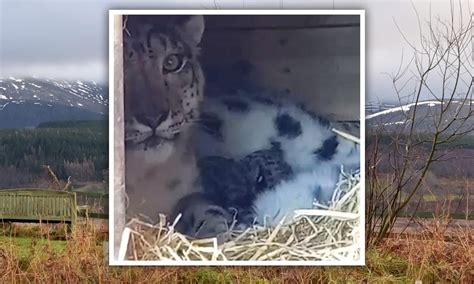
[(76, 149)]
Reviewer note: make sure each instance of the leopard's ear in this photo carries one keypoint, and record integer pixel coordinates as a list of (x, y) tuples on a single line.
[(193, 28)]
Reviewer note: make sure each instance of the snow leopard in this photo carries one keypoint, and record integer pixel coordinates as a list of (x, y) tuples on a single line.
[(163, 88)]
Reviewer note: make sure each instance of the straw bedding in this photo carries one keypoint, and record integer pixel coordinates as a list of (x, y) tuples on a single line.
[(322, 233)]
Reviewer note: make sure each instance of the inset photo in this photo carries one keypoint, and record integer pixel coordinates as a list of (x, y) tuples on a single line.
[(235, 137)]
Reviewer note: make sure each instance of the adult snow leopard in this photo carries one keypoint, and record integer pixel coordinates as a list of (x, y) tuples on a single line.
[(163, 87)]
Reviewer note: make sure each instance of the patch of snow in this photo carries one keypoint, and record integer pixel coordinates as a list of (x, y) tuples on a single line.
[(402, 108), (395, 123), (3, 97), (16, 87), (15, 79), (3, 88), (79, 104), (84, 90)]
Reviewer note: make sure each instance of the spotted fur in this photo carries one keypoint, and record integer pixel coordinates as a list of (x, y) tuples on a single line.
[(164, 83), (226, 182), (306, 139), (302, 142), (266, 168), (163, 87)]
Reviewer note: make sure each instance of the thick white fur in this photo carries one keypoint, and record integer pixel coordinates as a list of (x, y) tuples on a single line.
[(300, 193), (243, 133), (298, 152), (348, 155), (246, 132)]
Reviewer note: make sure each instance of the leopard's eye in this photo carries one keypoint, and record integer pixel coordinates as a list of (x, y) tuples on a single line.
[(173, 63)]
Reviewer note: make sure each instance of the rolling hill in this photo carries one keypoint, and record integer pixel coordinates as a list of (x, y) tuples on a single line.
[(396, 118), (27, 102)]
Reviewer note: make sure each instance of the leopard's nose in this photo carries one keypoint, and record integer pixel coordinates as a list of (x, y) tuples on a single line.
[(152, 121)]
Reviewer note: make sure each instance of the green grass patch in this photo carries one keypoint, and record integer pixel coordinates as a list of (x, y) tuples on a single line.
[(25, 247), (209, 276), (430, 198), (384, 267), (434, 197)]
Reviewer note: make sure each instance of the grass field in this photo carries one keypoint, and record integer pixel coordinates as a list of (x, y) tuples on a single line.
[(25, 247), (427, 256)]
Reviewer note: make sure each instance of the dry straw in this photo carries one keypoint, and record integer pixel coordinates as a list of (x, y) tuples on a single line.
[(329, 233)]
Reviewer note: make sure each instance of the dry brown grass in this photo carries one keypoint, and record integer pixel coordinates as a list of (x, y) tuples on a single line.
[(429, 257), (433, 254)]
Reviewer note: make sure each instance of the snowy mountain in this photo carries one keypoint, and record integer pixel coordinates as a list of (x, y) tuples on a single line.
[(396, 118), (30, 101)]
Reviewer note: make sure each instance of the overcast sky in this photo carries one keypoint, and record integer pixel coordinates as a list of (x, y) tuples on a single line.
[(68, 38)]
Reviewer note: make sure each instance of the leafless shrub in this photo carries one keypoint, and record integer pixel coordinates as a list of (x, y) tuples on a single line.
[(440, 70)]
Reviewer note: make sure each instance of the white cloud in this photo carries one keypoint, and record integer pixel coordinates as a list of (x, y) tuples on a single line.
[(90, 70)]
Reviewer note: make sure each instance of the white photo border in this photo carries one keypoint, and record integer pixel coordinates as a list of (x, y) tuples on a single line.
[(112, 253)]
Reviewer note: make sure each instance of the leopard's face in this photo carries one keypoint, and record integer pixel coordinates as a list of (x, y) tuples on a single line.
[(163, 81)]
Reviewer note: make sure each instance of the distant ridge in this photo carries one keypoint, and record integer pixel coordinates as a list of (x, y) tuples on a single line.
[(396, 117), (27, 102)]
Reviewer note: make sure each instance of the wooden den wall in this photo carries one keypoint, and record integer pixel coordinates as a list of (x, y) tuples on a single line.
[(315, 58)]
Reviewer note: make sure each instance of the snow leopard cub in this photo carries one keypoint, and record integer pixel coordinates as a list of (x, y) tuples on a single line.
[(236, 183), (225, 181), (266, 168), (230, 190)]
